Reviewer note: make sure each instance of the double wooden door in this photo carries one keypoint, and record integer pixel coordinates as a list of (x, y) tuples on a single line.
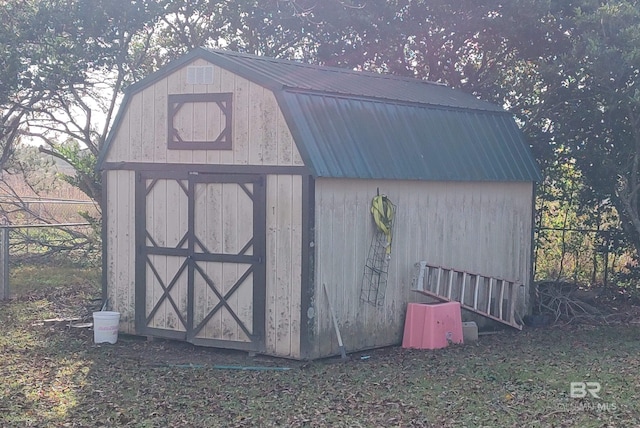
[(200, 271)]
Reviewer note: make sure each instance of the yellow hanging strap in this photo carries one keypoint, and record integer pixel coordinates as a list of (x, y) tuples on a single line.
[(382, 211)]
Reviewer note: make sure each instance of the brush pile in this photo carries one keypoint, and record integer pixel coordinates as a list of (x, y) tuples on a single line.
[(564, 302)]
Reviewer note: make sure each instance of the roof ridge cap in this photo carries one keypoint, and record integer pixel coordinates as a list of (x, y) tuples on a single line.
[(329, 68)]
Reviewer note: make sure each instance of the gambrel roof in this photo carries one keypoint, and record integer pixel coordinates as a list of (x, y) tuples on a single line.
[(353, 124)]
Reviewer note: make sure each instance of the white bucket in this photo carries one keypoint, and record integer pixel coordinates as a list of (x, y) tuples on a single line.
[(105, 326)]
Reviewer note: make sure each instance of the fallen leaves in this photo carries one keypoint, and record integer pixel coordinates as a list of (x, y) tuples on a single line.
[(55, 376)]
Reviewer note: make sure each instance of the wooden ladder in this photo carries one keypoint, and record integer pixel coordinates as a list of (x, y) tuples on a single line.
[(491, 297)]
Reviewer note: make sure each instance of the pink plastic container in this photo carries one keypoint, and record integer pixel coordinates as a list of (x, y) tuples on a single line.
[(432, 326)]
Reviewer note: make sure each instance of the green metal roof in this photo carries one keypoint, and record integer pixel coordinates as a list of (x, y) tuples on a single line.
[(354, 138), (277, 74), (355, 124)]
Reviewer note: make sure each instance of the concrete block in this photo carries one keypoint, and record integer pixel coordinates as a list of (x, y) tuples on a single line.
[(470, 331)]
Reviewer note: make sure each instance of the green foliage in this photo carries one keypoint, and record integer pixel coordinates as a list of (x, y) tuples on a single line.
[(87, 177), (592, 108), (567, 237), (58, 57), (28, 163)]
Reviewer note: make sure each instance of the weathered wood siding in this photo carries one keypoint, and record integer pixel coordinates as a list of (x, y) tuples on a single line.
[(166, 223), (260, 133), (478, 227), (284, 240), (224, 225), (260, 136), (120, 243), (283, 244)]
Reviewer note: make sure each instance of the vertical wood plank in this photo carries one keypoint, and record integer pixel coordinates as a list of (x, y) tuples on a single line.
[(174, 86), (213, 156), (123, 237), (148, 124), (247, 151), (113, 217), (283, 265), (213, 240), (347, 243), (160, 121), (179, 231), (255, 127), (129, 243), (135, 128), (156, 226), (244, 234), (228, 84), (268, 124), (186, 115), (323, 258), (200, 287), (201, 117), (229, 246), (271, 261), (296, 268), (286, 146)]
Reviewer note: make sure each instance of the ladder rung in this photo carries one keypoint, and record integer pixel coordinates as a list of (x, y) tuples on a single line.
[(475, 292), (451, 275), (489, 297), (462, 289), (452, 286), (427, 269), (501, 297)]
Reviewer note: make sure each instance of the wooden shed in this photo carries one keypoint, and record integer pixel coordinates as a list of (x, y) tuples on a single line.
[(238, 188)]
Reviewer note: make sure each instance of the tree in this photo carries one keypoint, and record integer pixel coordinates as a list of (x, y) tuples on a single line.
[(66, 66), (567, 70), (61, 77), (596, 114)]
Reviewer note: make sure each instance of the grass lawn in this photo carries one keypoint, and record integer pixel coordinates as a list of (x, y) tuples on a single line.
[(53, 375)]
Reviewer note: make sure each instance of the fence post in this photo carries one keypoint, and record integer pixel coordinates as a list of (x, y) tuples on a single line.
[(4, 263)]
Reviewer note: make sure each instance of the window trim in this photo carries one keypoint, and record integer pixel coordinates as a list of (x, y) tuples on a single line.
[(176, 101)]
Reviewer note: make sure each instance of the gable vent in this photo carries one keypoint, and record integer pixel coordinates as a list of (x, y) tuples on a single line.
[(200, 75)]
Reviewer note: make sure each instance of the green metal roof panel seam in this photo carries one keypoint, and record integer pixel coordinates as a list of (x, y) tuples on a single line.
[(405, 142)]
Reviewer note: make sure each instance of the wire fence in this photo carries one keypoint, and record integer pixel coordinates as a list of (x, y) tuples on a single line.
[(29, 242), (35, 210), (588, 257), (35, 229)]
